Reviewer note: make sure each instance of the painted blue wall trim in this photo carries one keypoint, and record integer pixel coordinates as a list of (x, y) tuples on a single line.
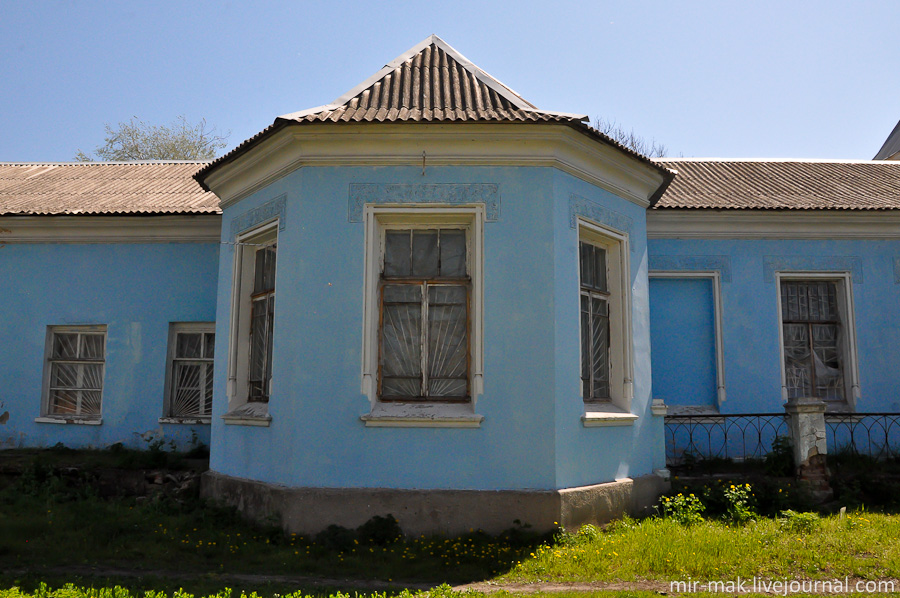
[(812, 263), (270, 210), (693, 263), (582, 206), (441, 193)]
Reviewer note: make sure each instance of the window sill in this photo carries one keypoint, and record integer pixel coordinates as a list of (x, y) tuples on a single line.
[(422, 415), (195, 421), (60, 419), (249, 414), (604, 415)]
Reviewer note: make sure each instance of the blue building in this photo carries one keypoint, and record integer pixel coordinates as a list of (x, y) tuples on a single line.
[(110, 273), (432, 299)]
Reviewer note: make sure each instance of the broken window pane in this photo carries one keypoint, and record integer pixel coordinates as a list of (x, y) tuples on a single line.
[(188, 345), (593, 267), (453, 253), (397, 256), (264, 274), (812, 340), (425, 253)]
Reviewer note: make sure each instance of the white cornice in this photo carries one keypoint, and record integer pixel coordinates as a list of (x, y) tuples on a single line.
[(193, 228), (772, 224), (455, 144)]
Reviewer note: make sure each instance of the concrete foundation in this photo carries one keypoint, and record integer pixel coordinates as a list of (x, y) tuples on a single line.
[(452, 512)]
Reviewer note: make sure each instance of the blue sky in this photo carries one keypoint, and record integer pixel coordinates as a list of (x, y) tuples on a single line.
[(705, 78)]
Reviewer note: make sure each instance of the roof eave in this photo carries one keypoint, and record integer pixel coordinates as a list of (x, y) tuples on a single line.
[(203, 174), (668, 175)]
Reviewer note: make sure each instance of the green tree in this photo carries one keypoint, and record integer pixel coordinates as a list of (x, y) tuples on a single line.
[(137, 140)]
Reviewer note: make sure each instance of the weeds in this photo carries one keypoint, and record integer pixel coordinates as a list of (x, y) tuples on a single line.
[(683, 509), (739, 499), (801, 523)]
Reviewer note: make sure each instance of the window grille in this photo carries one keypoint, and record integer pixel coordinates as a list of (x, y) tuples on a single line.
[(594, 323), (424, 336), (76, 372)]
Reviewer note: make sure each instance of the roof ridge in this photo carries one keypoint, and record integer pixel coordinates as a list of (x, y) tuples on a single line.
[(505, 91), (781, 160)]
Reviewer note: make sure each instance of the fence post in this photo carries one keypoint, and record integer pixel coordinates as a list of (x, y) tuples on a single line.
[(807, 417)]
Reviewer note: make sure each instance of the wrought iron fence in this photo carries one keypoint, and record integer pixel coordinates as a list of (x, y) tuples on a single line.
[(737, 437), (874, 434)]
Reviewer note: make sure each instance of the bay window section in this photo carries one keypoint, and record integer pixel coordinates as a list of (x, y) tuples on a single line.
[(604, 325), (251, 341), (594, 323), (423, 354), (424, 336), (262, 324)]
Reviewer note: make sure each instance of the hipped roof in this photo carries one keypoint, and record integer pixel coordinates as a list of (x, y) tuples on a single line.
[(891, 145), (431, 82)]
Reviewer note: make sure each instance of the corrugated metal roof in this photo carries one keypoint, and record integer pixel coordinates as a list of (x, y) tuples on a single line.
[(782, 184), (103, 188), (891, 147), (430, 82)]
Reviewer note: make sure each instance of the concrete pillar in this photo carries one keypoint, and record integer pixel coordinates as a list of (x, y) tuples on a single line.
[(807, 421)]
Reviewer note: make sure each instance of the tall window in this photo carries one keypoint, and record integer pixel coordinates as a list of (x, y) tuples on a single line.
[(424, 321), (813, 339), (252, 327), (76, 357), (262, 315), (595, 336), (191, 350)]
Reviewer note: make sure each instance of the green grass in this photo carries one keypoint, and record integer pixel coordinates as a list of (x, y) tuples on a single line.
[(54, 529), (858, 545), (48, 523)]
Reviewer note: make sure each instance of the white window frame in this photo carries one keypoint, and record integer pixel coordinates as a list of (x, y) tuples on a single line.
[(240, 410), (174, 329), (716, 279), (847, 311), (68, 418), (617, 410), (379, 219)]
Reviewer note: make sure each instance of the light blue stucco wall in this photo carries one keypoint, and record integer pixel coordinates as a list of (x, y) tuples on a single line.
[(316, 437), (683, 341), (590, 455), (750, 319), (136, 290)]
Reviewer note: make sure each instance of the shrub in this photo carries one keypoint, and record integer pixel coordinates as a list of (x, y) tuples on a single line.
[(739, 499), (336, 537), (379, 531), (682, 509), (792, 521)]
